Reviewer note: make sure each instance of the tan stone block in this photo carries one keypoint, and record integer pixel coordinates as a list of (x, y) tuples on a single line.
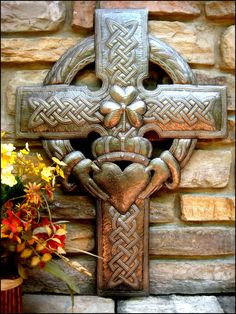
[(191, 241), (158, 8), (227, 47), (79, 237), (205, 77), (191, 277), (229, 139), (22, 16), (88, 78), (83, 14), (207, 169), (76, 207), (83, 207), (22, 78), (207, 208), (220, 9), (194, 42), (28, 50), (162, 208)]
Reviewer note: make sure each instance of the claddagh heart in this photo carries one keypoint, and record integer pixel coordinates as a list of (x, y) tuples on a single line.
[(123, 187)]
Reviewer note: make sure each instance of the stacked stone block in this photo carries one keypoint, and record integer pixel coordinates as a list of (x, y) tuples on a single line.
[(192, 228)]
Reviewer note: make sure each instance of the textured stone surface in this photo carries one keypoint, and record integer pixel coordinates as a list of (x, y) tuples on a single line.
[(207, 208), (146, 305), (191, 241), (163, 241), (78, 207), (62, 304), (170, 304), (166, 277), (227, 47), (22, 16), (196, 304), (158, 8), (192, 276), (220, 9), (162, 208), (79, 236), (22, 78), (229, 139), (207, 169), (27, 50), (88, 77), (195, 43), (227, 303), (83, 14), (205, 77), (42, 281), (83, 207)]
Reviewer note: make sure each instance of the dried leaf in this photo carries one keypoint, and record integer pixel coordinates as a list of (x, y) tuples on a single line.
[(20, 247), (60, 250), (61, 231), (46, 257), (56, 240), (49, 230), (40, 247), (26, 253), (42, 229), (34, 261), (22, 271)]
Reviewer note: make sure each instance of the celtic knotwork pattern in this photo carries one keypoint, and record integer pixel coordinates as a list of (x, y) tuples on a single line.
[(190, 110), (122, 44), (54, 111), (125, 248)]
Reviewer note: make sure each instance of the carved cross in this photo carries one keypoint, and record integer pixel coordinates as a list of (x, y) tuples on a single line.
[(121, 112)]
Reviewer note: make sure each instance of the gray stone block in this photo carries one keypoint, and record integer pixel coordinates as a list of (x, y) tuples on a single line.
[(227, 303), (33, 303), (170, 304)]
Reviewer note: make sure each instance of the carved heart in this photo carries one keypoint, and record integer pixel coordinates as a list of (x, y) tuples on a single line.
[(122, 187), (125, 95)]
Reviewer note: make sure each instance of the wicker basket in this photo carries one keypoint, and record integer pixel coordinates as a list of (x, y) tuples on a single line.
[(11, 295)]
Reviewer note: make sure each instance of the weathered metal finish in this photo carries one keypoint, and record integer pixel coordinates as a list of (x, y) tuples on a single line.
[(173, 111), (122, 111)]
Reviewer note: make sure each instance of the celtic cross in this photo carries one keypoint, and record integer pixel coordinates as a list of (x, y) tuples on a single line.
[(122, 111)]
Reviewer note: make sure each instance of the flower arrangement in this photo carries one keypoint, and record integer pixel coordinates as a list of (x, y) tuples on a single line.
[(29, 238)]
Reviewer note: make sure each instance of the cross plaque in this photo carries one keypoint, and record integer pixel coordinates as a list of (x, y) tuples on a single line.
[(122, 174)]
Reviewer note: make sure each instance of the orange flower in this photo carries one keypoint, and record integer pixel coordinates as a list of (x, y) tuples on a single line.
[(49, 190), (33, 193), (11, 226)]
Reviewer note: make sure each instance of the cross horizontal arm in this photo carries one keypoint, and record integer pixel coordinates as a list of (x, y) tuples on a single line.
[(190, 111), (57, 111)]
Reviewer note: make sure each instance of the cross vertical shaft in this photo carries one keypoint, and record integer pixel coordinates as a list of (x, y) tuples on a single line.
[(122, 237)]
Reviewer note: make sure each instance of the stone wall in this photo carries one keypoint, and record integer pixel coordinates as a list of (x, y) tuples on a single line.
[(191, 229)]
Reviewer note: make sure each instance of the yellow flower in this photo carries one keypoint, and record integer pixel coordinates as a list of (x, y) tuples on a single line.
[(47, 173), (7, 155), (7, 177), (59, 162), (60, 171)]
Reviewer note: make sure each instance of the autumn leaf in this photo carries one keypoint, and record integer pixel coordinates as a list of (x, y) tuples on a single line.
[(34, 261), (46, 257), (26, 253), (61, 231)]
